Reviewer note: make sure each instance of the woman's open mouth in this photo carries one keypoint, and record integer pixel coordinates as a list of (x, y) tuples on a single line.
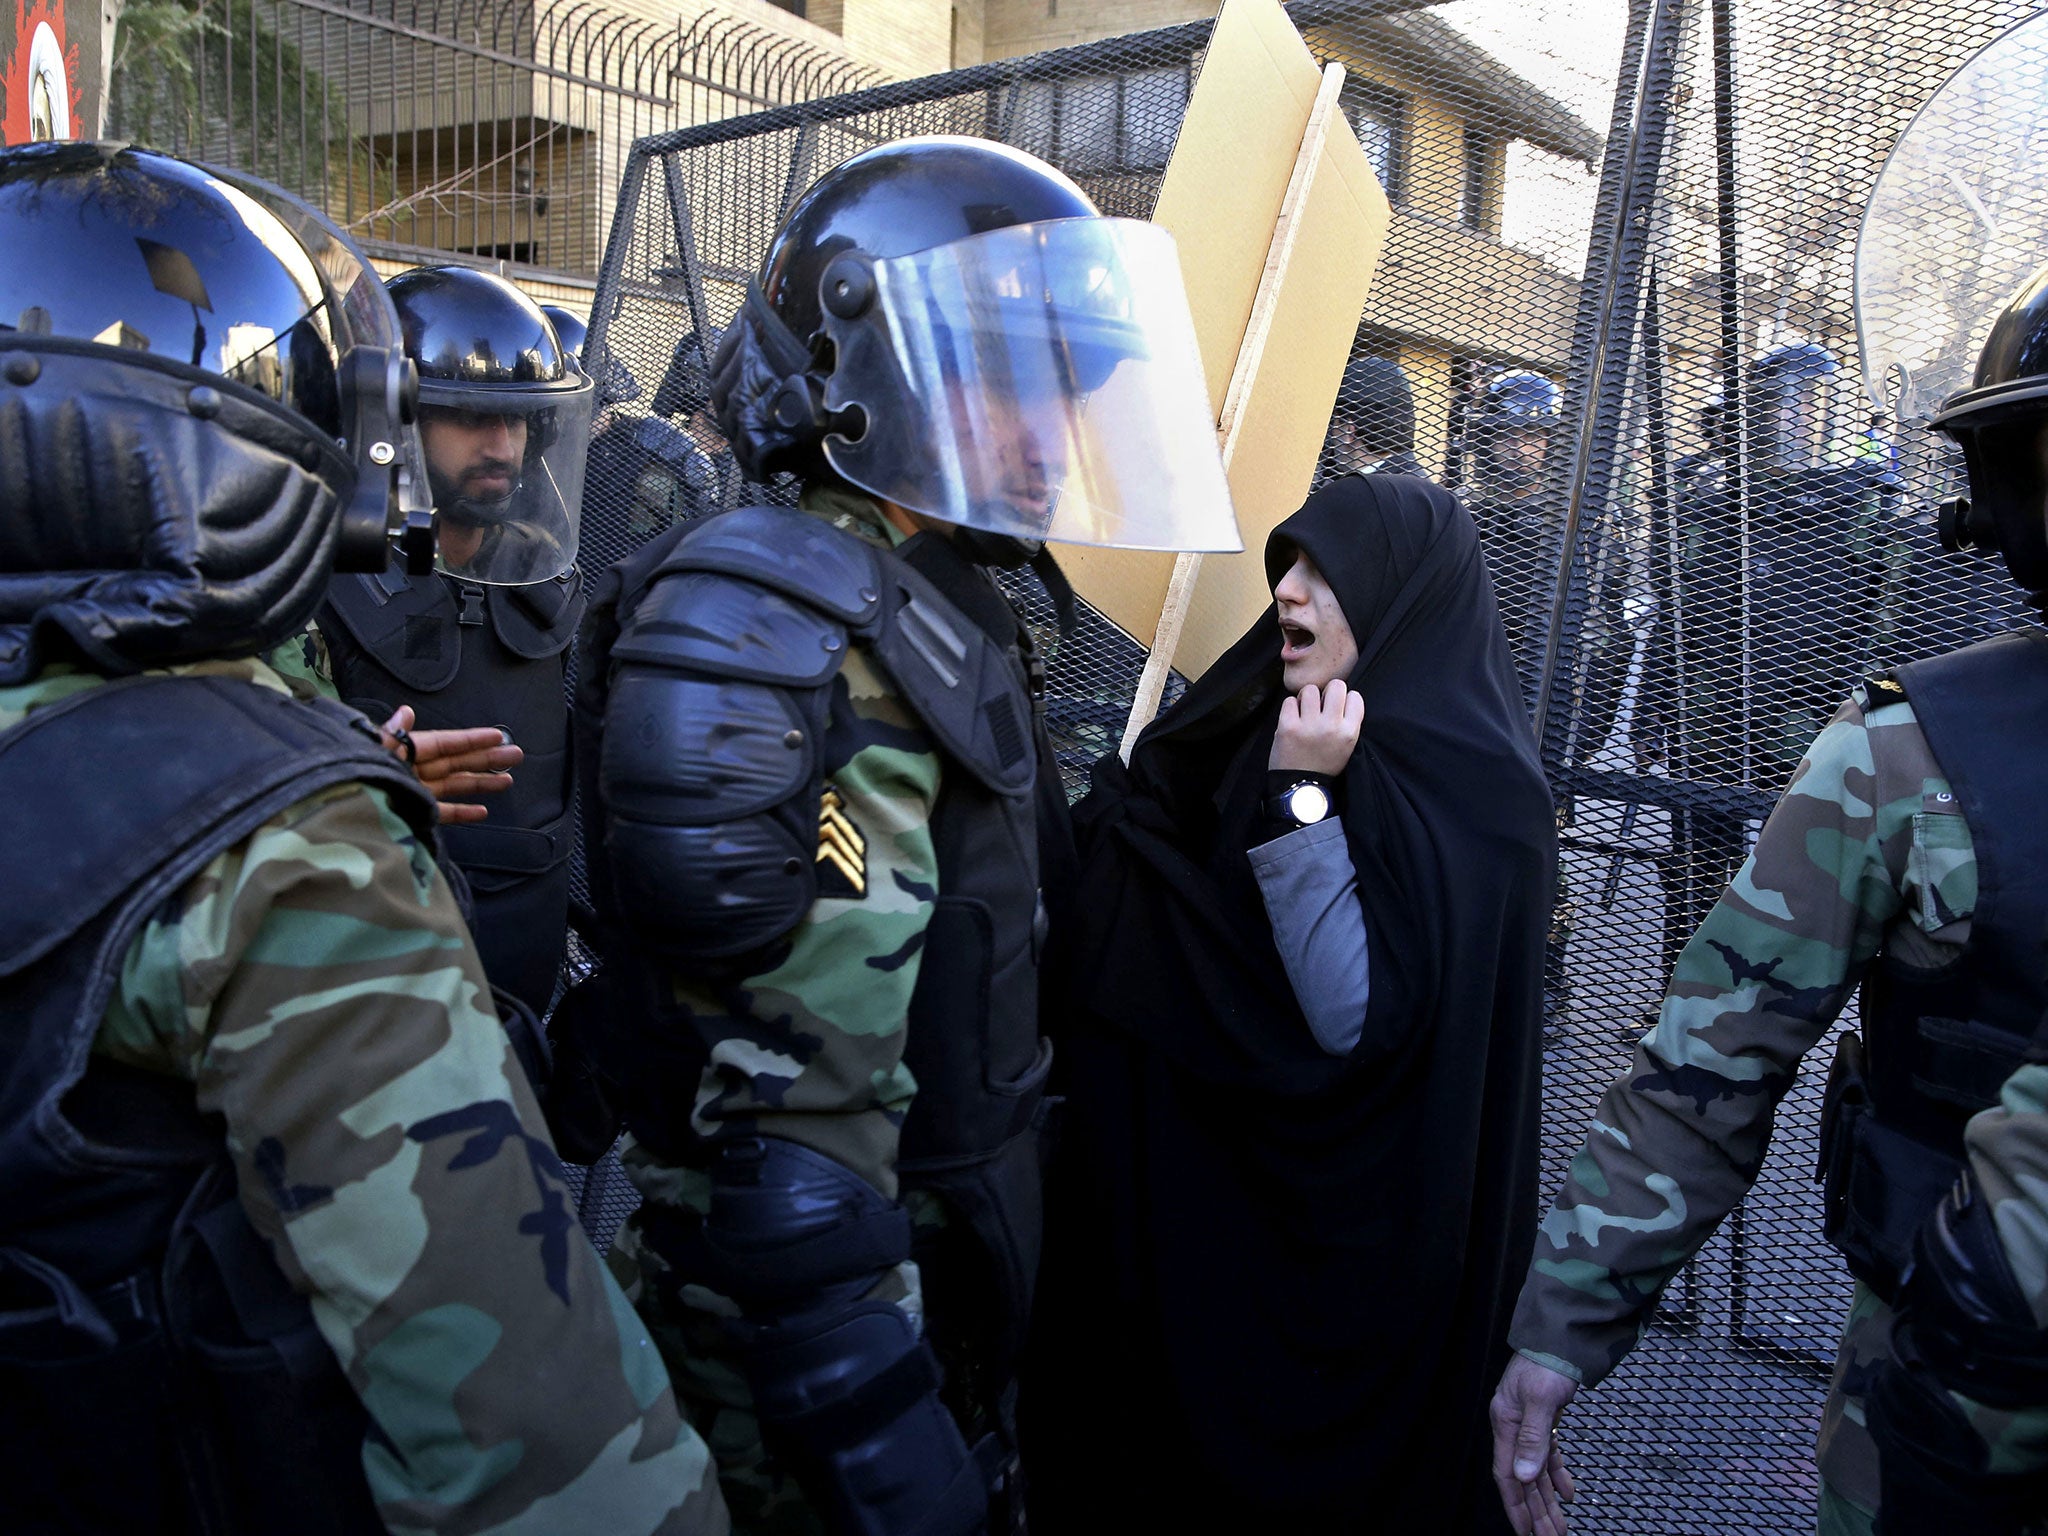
[(1295, 641)]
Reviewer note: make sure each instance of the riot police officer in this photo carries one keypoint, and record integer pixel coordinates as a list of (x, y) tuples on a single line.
[(1817, 517), (822, 789), (284, 1244), (1508, 436), (504, 422), (1521, 529), (570, 331), (1739, 674), (1910, 857), (1372, 428), (648, 473)]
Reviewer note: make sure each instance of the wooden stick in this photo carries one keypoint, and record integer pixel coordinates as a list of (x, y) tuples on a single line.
[(1180, 591)]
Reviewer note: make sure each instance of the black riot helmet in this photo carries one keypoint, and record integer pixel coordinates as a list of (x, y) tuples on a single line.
[(1522, 404), (504, 423), (616, 383), (1376, 398), (2001, 423), (685, 389), (570, 331), (949, 325), (205, 410)]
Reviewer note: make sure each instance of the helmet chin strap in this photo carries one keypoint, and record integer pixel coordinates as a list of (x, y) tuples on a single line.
[(1005, 552)]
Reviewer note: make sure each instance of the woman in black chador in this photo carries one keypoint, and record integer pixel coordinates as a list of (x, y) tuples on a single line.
[(1297, 1184)]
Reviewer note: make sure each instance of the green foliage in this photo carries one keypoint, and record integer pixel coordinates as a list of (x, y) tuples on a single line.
[(183, 81)]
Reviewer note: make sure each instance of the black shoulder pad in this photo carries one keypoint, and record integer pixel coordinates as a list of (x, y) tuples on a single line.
[(788, 552), (724, 626), (405, 623), (959, 683), (688, 750), (538, 619), (201, 762)]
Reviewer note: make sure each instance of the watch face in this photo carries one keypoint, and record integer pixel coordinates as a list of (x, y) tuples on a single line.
[(1307, 803)]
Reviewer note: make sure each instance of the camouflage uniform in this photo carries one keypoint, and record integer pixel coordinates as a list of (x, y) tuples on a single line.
[(305, 664), (810, 1052), (316, 986), (1866, 852)]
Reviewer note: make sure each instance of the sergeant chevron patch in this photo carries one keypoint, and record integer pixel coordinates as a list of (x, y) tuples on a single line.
[(842, 851)]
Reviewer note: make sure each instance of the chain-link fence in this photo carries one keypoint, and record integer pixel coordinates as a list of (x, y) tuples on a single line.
[(1615, 313)]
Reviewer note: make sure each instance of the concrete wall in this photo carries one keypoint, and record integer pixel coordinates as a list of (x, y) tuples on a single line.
[(969, 33), (1012, 27), (902, 38)]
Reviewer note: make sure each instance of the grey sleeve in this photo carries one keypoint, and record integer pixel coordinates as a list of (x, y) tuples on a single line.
[(1311, 896)]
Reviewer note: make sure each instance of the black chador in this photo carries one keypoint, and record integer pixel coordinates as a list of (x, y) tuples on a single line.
[(1288, 1269)]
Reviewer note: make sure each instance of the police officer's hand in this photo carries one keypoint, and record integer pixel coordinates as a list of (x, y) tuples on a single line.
[(1528, 1468), (467, 762), (1318, 729)]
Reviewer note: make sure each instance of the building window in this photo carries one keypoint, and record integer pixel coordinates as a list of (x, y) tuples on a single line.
[(794, 7), (521, 251), (1098, 124), (1476, 200), (1379, 117)]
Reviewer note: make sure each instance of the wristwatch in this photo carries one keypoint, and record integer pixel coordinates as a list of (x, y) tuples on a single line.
[(1302, 803)]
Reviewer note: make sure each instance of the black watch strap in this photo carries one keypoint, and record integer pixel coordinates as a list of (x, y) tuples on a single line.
[(1281, 803)]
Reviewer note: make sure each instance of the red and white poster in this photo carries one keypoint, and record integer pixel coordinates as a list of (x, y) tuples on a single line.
[(49, 69)]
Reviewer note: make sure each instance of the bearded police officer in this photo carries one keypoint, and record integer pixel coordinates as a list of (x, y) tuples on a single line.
[(821, 792), (504, 422), (1910, 856), (284, 1244)]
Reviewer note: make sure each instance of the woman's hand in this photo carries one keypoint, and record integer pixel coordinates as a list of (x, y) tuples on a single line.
[(1318, 729)]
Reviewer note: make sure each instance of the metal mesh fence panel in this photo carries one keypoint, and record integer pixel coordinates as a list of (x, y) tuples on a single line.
[(1614, 313), (1749, 539)]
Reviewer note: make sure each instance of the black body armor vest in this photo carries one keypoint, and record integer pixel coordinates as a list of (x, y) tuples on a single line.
[(465, 655), (158, 1374), (701, 706), (1940, 1044)]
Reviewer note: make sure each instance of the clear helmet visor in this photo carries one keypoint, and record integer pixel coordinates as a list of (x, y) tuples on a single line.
[(1511, 458), (1040, 381), (504, 470), (1795, 428), (1957, 222)]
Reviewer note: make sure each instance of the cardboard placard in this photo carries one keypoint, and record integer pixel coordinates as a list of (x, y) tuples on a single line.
[(1222, 200)]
